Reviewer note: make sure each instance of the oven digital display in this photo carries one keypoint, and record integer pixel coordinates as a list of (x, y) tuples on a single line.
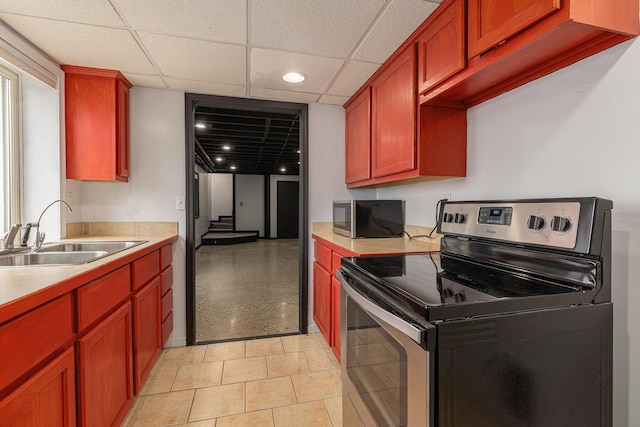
[(496, 216)]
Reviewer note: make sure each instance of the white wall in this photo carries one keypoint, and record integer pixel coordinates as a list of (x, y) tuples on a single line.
[(573, 133), (249, 209), (326, 175), (221, 187), (273, 203), (157, 165), (42, 153)]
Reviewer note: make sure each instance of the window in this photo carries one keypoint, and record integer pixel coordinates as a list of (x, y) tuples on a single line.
[(9, 150)]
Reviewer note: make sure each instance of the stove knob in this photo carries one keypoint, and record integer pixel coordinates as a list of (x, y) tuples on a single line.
[(459, 297), (447, 293), (535, 222), (447, 217), (459, 219), (560, 224)]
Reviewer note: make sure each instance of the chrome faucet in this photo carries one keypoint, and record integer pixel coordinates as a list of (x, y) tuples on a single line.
[(40, 236), (9, 237)]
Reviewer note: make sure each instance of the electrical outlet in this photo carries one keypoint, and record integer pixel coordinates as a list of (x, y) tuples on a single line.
[(179, 203), (446, 196)]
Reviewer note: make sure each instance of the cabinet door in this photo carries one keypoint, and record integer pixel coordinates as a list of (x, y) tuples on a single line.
[(358, 138), (441, 46), (147, 334), (322, 300), (393, 119), (105, 371), (491, 21), (335, 317), (122, 137), (46, 399)]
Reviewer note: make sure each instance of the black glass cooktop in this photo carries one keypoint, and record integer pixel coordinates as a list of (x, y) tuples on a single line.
[(441, 287)]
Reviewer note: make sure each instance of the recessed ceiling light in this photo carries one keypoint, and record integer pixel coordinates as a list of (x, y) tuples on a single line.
[(233, 168), (283, 169), (218, 159), (298, 151), (226, 147), (293, 77), (201, 125)]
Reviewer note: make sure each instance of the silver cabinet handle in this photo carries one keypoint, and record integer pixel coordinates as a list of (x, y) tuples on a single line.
[(408, 329)]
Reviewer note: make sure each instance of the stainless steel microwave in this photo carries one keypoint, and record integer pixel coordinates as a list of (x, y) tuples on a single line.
[(368, 218)]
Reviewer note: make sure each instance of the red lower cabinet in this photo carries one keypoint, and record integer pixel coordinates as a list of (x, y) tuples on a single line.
[(322, 300), (46, 399), (147, 333), (105, 390)]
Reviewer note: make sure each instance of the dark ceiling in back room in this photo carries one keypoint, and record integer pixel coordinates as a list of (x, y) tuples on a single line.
[(247, 142)]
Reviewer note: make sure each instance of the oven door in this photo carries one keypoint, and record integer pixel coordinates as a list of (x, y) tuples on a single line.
[(387, 369)]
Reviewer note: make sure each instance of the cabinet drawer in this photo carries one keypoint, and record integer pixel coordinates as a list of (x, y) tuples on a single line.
[(30, 339), (144, 269), (322, 255), (167, 304), (166, 256), (167, 279), (167, 327), (99, 297)]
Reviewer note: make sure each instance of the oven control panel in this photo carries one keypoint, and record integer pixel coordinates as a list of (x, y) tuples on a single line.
[(541, 223)]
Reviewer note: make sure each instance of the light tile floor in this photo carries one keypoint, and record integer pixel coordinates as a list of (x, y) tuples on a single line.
[(285, 381)]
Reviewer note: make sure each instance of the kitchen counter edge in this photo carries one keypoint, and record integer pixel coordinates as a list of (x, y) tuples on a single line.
[(323, 232), (25, 288)]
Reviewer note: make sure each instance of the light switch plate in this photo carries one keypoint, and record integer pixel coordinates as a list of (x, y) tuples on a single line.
[(180, 203)]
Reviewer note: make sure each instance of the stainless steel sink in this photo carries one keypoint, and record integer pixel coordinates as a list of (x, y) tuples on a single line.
[(111, 247), (66, 253), (50, 258)]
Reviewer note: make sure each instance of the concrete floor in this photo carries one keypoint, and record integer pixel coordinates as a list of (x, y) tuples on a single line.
[(247, 290)]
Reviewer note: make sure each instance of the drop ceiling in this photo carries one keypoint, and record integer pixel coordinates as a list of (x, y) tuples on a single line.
[(235, 48)]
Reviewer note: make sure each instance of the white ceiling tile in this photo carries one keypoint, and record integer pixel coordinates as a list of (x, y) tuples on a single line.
[(206, 87), (328, 27), (283, 95), (99, 12), (197, 59), (146, 80), (333, 99), (85, 45), (268, 66), (353, 75), (214, 20), (401, 18)]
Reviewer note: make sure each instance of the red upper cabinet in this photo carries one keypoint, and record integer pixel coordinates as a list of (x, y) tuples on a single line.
[(513, 42), (492, 22), (393, 117), (442, 45), (358, 138), (97, 124)]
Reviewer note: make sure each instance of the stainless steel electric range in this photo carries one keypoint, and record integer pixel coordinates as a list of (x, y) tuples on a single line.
[(510, 324)]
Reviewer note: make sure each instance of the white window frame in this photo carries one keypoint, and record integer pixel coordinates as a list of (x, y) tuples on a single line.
[(10, 144)]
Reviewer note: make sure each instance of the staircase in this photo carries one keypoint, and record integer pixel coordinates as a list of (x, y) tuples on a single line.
[(224, 223), (221, 232)]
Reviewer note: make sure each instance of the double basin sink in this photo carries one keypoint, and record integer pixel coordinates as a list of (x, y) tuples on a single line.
[(66, 253)]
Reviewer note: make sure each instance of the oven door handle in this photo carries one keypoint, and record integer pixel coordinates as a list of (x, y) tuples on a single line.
[(406, 328)]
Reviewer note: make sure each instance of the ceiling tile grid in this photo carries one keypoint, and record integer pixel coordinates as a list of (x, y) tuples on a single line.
[(224, 47)]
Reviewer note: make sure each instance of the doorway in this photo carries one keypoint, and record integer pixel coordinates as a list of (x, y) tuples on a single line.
[(267, 195)]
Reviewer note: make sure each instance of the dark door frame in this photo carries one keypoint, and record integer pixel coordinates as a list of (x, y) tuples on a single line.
[(191, 102)]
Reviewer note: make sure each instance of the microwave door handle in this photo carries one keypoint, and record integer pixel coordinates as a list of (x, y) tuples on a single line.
[(408, 329)]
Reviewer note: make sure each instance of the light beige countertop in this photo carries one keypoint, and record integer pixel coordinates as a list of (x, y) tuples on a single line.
[(323, 231), (25, 287)]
